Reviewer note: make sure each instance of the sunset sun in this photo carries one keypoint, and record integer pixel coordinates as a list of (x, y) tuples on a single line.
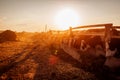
[(66, 18)]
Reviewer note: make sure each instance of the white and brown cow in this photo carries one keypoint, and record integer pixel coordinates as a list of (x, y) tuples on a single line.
[(113, 54)]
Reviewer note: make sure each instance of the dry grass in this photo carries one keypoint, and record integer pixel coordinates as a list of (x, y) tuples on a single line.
[(35, 58)]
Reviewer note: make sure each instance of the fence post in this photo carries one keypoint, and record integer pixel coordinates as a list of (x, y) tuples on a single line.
[(70, 37), (107, 38)]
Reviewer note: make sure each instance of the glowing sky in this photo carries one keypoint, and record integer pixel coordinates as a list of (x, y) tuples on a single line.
[(33, 15)]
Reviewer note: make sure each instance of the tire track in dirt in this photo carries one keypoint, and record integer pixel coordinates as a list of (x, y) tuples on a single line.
[(15, 56), (18, 58)]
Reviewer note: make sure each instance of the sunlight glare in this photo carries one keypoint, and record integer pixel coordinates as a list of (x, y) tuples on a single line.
[(67, 18)]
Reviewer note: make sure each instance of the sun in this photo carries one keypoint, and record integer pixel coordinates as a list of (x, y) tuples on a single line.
[(67, 18)]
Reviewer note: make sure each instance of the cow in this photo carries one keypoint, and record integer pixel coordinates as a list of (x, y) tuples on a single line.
[(113, 55), (114, 46), (78, 40), (92, 41)]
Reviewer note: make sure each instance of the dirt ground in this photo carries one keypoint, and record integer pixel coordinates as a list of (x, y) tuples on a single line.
[(35, 58)]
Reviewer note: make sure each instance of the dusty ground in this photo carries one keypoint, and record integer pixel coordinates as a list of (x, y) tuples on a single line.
[(36, 59)]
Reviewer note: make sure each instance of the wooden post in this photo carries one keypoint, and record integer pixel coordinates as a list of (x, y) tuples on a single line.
[(107, 37), (70, 36), (71, 32)]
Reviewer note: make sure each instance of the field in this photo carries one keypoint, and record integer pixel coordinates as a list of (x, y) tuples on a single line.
[(38, 56)]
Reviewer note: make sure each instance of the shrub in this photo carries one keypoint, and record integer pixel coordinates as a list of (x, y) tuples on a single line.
[(7, 35)]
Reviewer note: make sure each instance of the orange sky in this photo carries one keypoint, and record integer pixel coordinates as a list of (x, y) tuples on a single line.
[(33, 15)]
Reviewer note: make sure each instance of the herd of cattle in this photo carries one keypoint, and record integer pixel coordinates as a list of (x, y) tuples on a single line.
[(85, 42)]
